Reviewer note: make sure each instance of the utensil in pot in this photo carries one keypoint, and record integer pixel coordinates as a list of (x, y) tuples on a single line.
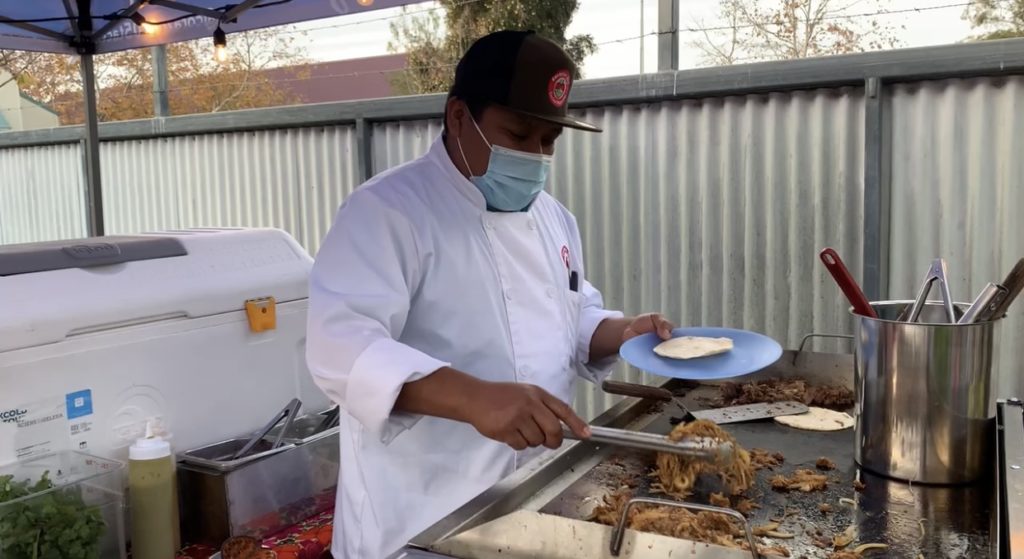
[(936, 274), (288, 414), (720, 416), (847, 284), (1014, 284), (721, 452), (984, 305)]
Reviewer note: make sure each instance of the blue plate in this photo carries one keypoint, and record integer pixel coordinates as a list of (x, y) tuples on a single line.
[(751, 352)]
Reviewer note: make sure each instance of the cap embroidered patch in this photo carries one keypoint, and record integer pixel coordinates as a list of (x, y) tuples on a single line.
[(558, 87)]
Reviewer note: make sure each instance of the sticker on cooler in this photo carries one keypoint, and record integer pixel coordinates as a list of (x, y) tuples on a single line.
[(79, 404), (33, 429), (79, 410)]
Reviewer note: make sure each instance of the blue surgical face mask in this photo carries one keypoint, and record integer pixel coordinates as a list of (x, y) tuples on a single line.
[(513, 178)]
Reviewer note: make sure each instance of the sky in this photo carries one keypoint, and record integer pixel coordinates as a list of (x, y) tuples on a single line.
[(624, 30)]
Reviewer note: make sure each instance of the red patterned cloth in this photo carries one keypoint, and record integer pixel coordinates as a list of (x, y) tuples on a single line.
[(309, 539)]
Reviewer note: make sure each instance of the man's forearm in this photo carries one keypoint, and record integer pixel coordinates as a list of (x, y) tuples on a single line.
[(607, 339), (444, 393)]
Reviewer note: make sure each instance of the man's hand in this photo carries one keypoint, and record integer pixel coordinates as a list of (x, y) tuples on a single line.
[(522, 415), (519, 415), (612, 333), (647, 323)]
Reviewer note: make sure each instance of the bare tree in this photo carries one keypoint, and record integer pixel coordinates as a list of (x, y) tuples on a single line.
[(758, 30)]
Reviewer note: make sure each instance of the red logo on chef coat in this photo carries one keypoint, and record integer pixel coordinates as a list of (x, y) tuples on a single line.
[(558, 88), (565, 256)]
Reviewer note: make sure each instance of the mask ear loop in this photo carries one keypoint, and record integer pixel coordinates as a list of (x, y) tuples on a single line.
[(481, 132), (458, 142)]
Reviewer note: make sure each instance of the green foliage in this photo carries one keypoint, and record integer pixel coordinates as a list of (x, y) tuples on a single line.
[(996, 19), (433, 49), (57, 525)]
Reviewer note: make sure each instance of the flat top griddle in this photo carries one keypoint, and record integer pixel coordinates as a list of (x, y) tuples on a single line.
[(956, 520), (914, 520)]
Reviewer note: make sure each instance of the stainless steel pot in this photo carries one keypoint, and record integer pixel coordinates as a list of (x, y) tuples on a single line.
[(925, 406)]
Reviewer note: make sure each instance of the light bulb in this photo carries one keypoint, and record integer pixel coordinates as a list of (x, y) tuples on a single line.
[(145, 26), (220, 45)]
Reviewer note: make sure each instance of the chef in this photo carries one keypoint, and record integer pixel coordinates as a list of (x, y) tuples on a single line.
[(449, 309)]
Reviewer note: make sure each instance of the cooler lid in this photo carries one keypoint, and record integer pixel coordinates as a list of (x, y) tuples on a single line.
[(50, 291), (30, 258)]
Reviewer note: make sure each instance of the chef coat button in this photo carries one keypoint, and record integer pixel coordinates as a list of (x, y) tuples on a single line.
[(488, 224), (524, 370), (550, 291), (508, 294), (531, 224)]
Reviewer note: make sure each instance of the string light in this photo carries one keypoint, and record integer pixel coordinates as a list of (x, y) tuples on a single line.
[(146, 27), (220, 45)]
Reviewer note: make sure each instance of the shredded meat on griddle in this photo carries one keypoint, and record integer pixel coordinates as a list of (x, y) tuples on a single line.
[(832, 397), (745, 506), (825, 464), (761, 459), (825, 508), (718, 500), (801, 480), (676, 474), (858, 485), (780, 390), (676, 522), (704, 527)]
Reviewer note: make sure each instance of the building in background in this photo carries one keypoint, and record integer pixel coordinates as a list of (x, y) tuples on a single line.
[(340, 80), (21, 112)]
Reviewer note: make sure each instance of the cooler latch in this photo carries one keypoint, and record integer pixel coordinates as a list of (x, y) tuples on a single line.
[(262, 313)]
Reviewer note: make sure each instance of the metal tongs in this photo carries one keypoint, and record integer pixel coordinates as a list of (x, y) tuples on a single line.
[(288, 414), (936, 273), (330, 420), (721, 452)]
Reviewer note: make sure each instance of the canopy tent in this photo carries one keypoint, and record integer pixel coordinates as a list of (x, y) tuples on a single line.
[(88, 27)]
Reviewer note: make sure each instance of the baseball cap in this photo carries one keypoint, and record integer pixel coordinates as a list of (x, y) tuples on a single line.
[(522, 72)]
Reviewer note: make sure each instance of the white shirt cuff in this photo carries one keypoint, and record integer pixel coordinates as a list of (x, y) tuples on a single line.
[(377, 377), (590, 319)]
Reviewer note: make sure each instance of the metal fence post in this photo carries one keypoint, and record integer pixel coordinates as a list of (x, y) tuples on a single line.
[(877, 190), (668, 35), (364, 149)]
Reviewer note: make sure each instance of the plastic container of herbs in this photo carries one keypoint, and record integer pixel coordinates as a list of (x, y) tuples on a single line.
[(68, 505)]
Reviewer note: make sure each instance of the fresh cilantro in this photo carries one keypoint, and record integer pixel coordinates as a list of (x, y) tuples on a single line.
[(58, 525)]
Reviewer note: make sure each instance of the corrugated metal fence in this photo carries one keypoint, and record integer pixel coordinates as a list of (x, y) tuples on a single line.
[(708, 204)]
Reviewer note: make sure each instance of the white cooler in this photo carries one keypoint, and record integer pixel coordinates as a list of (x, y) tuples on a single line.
[(99, 336)]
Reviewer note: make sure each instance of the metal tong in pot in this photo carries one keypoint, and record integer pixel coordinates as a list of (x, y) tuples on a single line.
[(288, 414), (936, 273)]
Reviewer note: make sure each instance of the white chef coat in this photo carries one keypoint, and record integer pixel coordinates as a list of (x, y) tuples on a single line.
[(416, 274)]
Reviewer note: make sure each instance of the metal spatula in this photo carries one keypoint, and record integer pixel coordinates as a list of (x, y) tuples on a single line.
[(731, 414)]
